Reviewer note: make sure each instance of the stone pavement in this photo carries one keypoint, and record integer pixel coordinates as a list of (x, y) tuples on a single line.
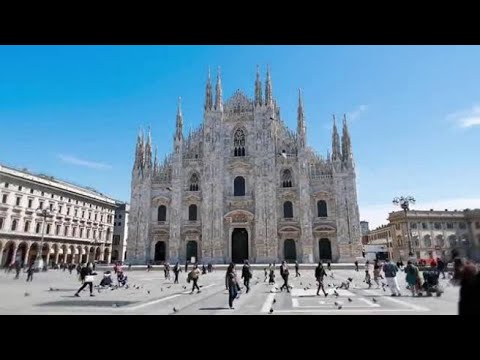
[(150, 293)]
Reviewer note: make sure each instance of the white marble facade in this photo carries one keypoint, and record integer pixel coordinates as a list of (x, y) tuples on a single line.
[(244, 186)]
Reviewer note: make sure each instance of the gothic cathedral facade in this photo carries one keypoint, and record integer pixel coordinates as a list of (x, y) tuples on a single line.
[(244, 186)]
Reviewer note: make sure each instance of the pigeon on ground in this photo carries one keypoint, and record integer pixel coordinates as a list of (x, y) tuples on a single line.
[(114, 305), (301, 283), (51, 289), (27, 294), (340, 307), (148, 291), (168, 287), (161, 289), (337, 303), (374, 300), (175, 309), (184, 287), (271, 311), (274, 301), (350, 300), (335, 292)]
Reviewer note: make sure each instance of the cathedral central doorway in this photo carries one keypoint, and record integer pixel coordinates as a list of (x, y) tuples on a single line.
[(289, 251), (192, 250), (239, 246), (325, 250), (160, 252)]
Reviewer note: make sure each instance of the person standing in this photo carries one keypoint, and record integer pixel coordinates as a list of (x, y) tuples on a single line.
[(86, 273), (167, 271), (231, 283), (297, 267), (390, 271), (246, 275), (368, 278), (320, 273), (176, 270), (265, 273), (271, 277), (412, 277), (209, 267), (356, 265), (204, 269), (329, 268), (469, 302), (376, 273), (441, 267), (284, 272), (186, 266), (194, 275), (30, 272)]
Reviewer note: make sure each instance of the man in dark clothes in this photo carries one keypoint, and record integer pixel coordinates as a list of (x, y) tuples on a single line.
[(356, 265), (284, 274), (30, 272), (441, 267), (469, 303), (319, 275), (246, 275), (176, 270)]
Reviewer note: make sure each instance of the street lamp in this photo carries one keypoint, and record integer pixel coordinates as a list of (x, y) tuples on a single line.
[(44, 213), (404, 202)]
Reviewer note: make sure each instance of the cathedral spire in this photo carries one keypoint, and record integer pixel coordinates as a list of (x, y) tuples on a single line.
[(346, 142), (268, 89), (148, 149), (208, 93), (336, 155), (179, 125), (258, 89), (218, 92), (301, 130), (156, 165), (139, 151)]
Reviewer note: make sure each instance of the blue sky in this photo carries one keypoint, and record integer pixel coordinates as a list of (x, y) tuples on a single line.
[(414, 111)]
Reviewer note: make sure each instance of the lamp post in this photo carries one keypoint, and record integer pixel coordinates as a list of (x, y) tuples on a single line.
[(44, 213), (404, 202)]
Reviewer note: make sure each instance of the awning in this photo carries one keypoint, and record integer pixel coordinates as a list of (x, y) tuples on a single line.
[(60, 251), (76, 251), (83, 251), (52, 251), (69, 251)]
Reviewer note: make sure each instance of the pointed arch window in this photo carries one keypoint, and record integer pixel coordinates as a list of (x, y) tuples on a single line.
[(322, 208), (287, 178), (239, 143), (287, 210), (194, 182), (192, 212)]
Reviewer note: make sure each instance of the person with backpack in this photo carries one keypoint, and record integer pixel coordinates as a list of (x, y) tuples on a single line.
[(87, 276), (390, 270), (246, 275)]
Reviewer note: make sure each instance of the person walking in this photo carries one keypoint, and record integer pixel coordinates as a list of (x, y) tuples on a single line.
[(246, 275), (390, 270), (320, 273), (186, 266), (167, 270), (231, 284), (284, 272), (30, 272), (194, 275), (87, 274), (265, 273), (412, 277), (368, 278), (297, 267), (204, 269), (176, 270), (18, 268), (209, 267), (356, 265), (376, 273), (271, 276), (329, 268)]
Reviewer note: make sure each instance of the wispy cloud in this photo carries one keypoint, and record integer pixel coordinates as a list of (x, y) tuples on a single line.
[(377, 215), (85, 163), (466, 118), (353, 115)]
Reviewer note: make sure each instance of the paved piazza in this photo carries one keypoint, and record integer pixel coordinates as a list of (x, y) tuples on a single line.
[(155, 295)]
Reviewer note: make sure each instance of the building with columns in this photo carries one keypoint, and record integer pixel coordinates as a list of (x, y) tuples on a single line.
[(244, 186), (77, 226), (435, 233)]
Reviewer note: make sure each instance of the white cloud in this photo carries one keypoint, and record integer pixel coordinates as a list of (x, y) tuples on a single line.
[(353, 115), (466, 118), (377, 215), (80, 162)]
